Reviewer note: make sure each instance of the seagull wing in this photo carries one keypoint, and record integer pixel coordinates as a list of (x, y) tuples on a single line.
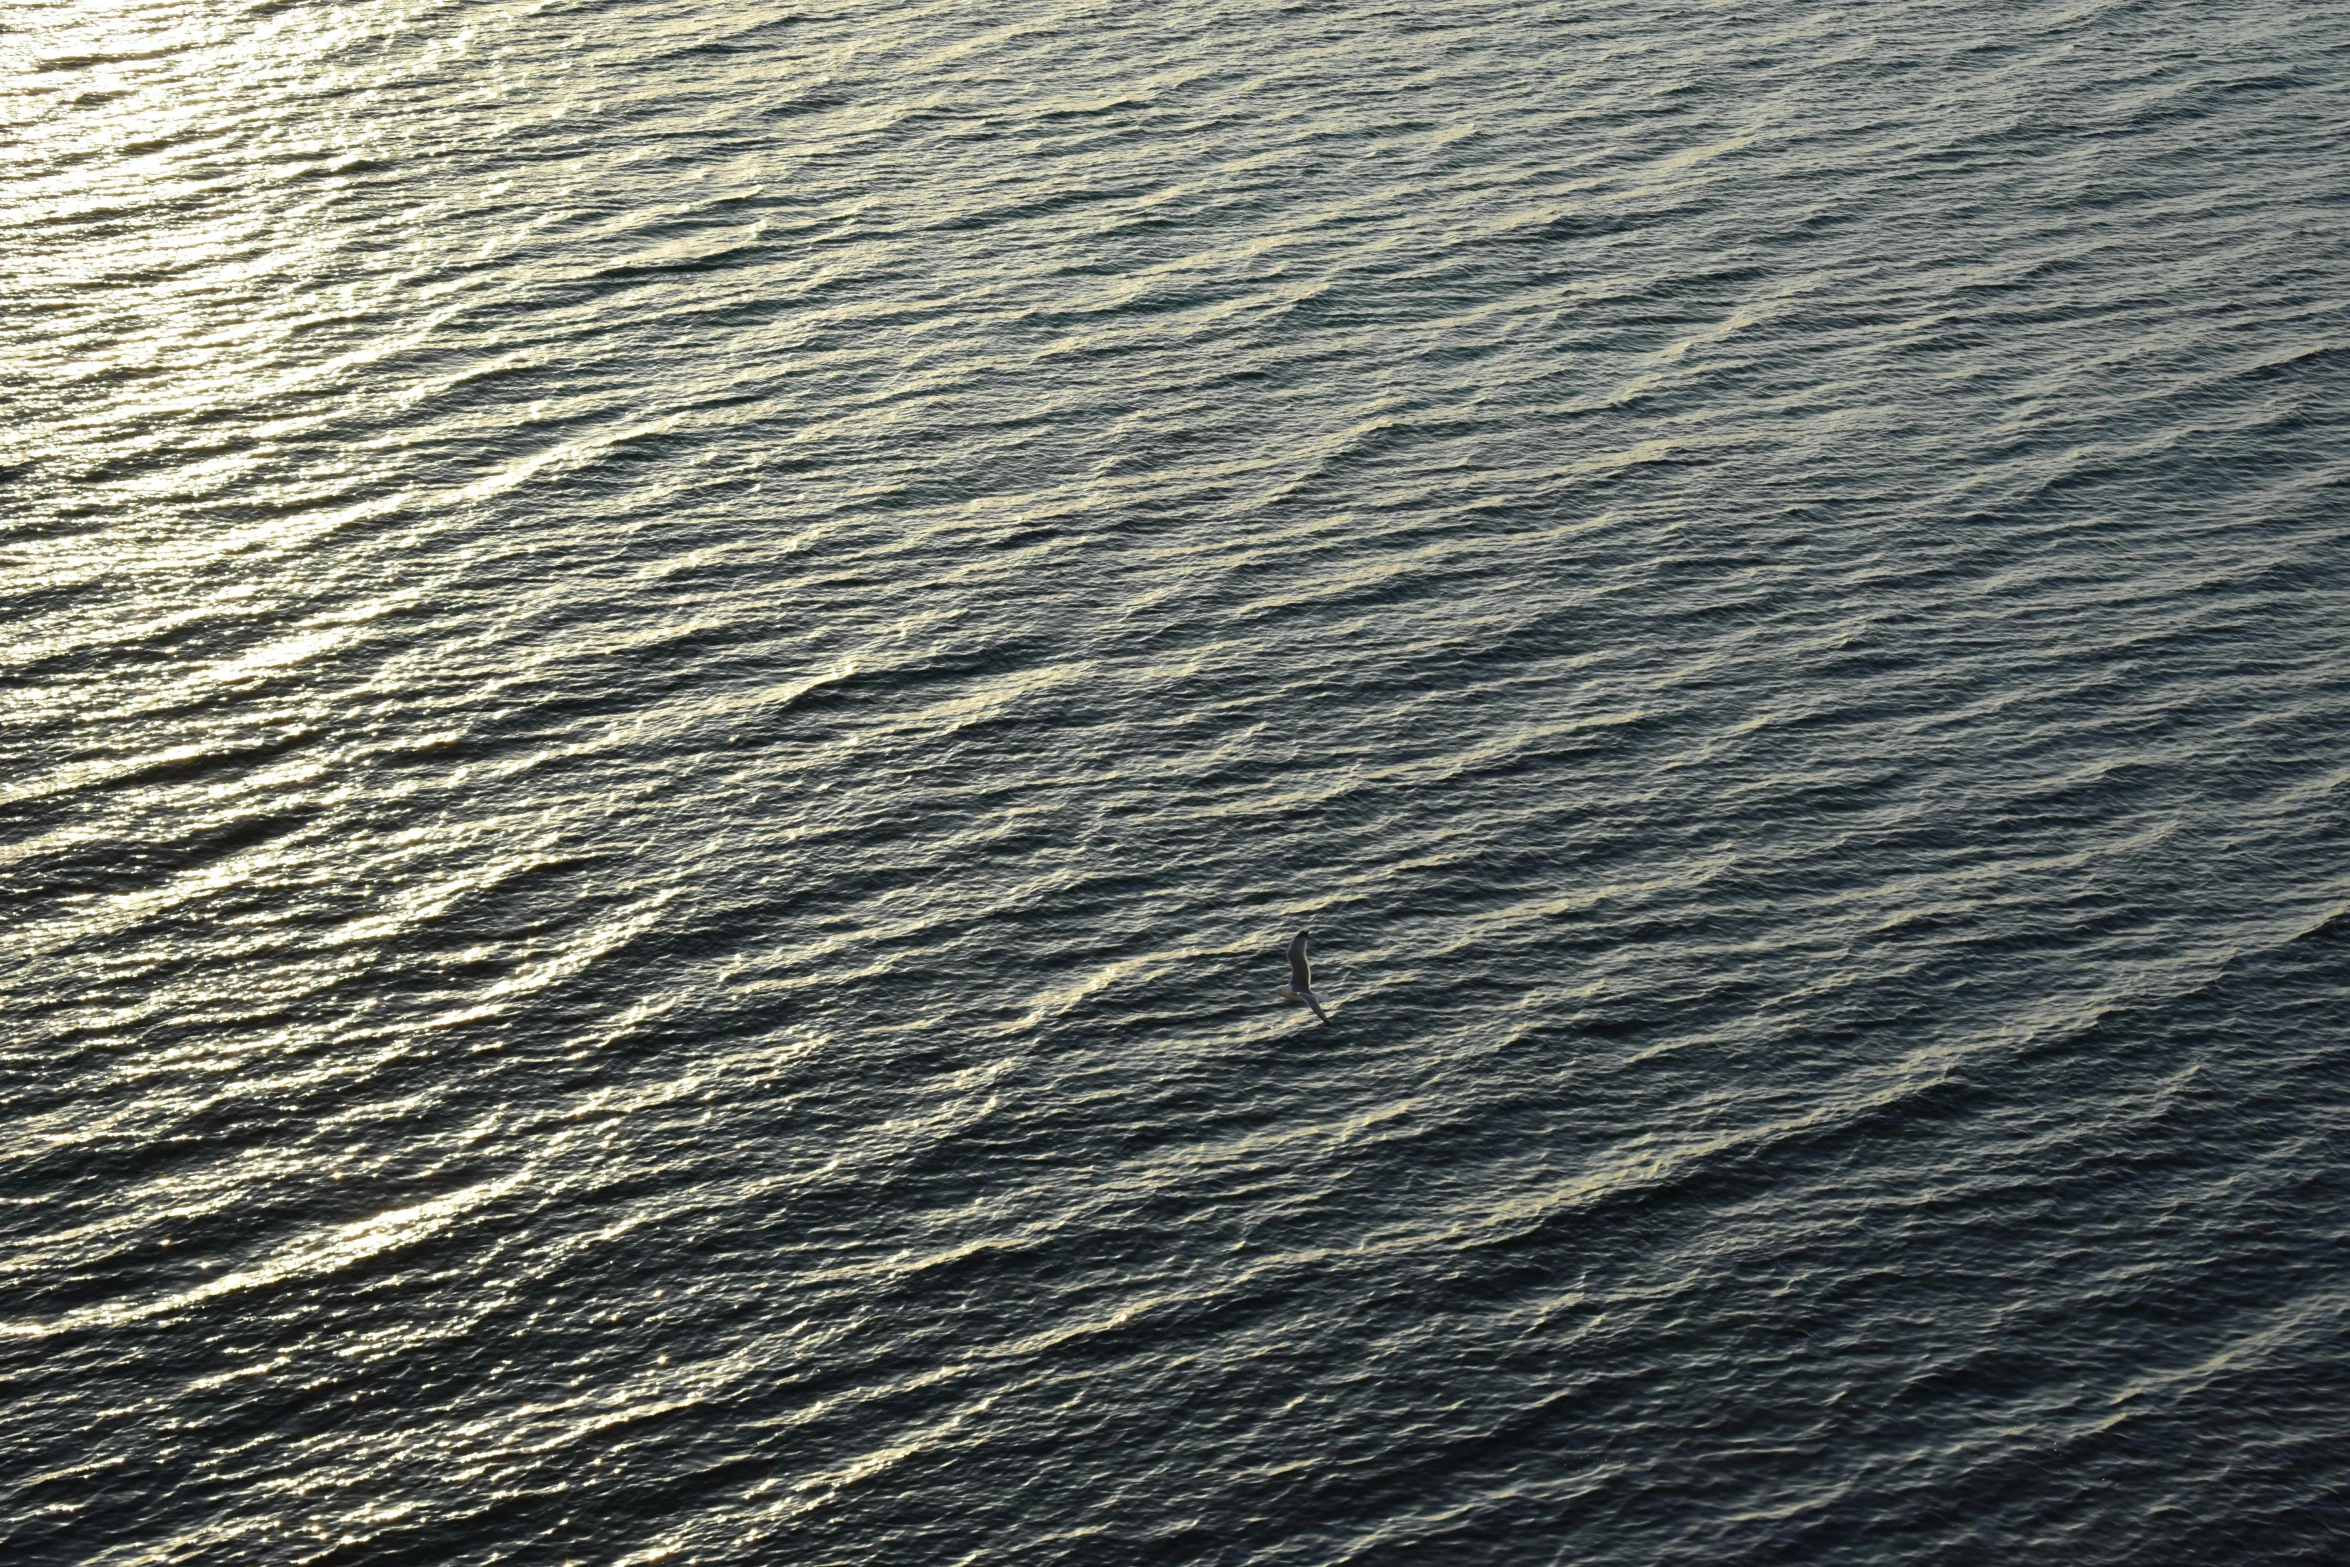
[(1301, 978)]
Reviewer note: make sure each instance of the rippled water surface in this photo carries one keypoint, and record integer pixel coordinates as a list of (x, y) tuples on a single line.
[(674, 670)]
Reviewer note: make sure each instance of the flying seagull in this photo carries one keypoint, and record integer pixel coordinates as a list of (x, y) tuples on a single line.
[(1301, 979)]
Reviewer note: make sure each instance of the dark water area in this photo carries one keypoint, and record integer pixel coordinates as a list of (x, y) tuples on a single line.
[(674, 673)]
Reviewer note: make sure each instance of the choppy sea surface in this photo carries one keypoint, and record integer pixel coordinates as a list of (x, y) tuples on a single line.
[(672, 674)]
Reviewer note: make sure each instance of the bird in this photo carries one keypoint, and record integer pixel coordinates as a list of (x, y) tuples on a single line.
[(1301, 978)]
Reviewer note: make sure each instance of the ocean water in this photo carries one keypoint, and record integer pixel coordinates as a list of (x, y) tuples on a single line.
[(673, 673)]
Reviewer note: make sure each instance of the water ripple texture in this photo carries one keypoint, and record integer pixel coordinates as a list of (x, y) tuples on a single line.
[(674, 672)]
